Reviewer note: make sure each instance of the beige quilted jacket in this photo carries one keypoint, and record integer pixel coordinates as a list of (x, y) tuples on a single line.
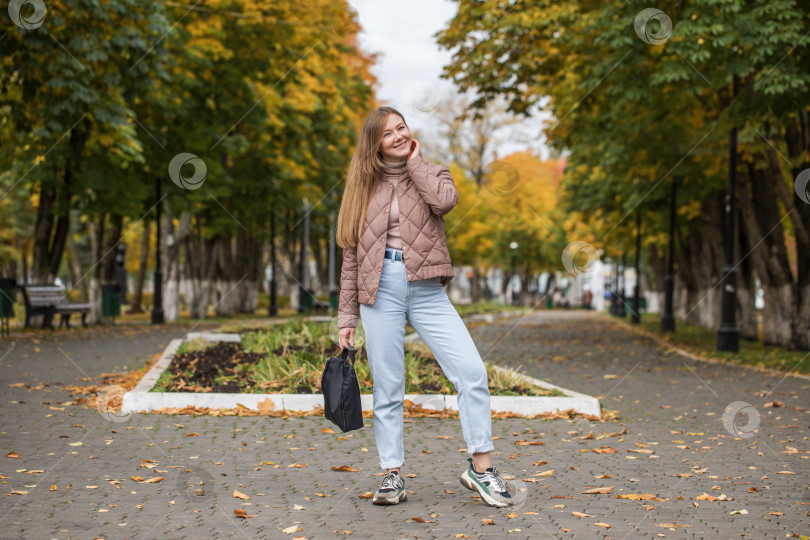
[(426, 192)]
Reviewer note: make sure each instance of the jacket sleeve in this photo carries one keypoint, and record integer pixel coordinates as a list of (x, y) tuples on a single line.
[(348, 306), (436, 188)]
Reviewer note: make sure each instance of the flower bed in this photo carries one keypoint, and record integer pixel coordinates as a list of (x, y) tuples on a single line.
[(289, 358)]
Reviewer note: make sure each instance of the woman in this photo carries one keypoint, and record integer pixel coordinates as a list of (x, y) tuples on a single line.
[(395, 266)]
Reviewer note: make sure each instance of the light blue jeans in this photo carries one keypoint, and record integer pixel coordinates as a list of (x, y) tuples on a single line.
[(425, 305)]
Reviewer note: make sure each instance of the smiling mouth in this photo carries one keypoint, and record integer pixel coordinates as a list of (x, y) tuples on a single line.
[(402, 144)]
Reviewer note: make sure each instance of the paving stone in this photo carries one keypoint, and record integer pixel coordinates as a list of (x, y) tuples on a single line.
[(669, 405)]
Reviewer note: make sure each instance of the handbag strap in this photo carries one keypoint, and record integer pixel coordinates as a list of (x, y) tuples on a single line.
[(348, 352)]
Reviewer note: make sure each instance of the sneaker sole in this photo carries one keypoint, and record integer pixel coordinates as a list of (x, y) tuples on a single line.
[(468, 483), (403, 496)]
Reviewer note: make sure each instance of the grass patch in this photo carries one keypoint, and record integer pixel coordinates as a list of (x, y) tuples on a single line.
[(702, 341)]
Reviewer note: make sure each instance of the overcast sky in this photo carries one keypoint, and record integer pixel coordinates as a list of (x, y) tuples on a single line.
[(410, 62)]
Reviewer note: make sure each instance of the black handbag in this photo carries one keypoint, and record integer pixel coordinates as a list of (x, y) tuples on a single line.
[(341, 392)]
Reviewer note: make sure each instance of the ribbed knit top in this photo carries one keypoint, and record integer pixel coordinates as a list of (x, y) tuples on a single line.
[(392, 170)]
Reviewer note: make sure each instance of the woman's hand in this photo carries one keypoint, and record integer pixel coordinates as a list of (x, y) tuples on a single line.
[(416, 149), (344, 334)]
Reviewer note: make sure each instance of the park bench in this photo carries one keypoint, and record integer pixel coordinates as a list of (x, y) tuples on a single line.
[(49, 301)]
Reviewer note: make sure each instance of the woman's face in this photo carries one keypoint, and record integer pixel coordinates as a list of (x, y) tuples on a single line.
[(396, 139)]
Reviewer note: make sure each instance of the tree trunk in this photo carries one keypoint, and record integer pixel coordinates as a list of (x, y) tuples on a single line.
[(96, 243), (76, 267), (769, 256), (200, 269), (143, 261)]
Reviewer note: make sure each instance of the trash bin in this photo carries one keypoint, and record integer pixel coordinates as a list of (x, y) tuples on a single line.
[(333, 299), (308, 300), (111, 300), (7, 286)]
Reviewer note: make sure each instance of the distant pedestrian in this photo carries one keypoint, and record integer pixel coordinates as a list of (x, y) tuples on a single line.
[(395, 267)]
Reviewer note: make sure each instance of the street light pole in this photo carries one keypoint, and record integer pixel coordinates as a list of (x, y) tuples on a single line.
[(513, 246), (728, 335), (635, 318), (157, 308), (622, 286), (273, 310), (668, 319)]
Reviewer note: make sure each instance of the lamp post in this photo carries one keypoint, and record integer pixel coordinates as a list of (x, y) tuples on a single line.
[(304, 302), (513, 246), (333, 293), (668, 319), (728, 335), (273, 310), (635, 318), (621, 311), (157, 308)]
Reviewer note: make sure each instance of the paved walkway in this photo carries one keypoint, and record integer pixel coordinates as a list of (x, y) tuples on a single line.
[(675, 449)]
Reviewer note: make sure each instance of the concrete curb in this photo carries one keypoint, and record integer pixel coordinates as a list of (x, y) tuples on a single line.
[(140, 399), (666, 344)]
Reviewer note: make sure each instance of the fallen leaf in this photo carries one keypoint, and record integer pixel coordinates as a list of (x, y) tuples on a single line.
[(366, 495), (12, 455), (597, 490), (786, 472), (153, 480), (298, 465), (581, 515), (344, 468), (545, 473), (449, 492), (296, 506), (559, 506), (422, 520), (290, 530), (603, 476), (636, 496), (487, 521), (775, 514), (239, 495), (195, 434), (539, 463), (137, 478), (735, 512), (600, 524), (240, 512), (604, 450), (462, 535), (774, 404), (327, 430)]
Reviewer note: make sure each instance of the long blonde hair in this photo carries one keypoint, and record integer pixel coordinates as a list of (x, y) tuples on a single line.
[(364, 171)]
